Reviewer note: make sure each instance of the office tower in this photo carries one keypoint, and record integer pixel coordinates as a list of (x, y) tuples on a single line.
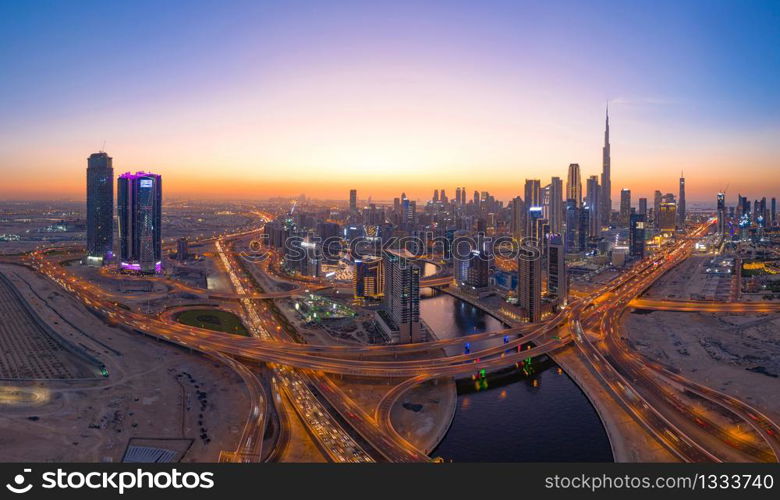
[(593, 200), (556, 205), (476, 199), (625, 207), (100, 208), (643, 207), (402, 296), (773, 215), (533, 227), (139, 211), (443, 196), (457, 196), (182, 249), (636, 235), (435, 195), (368, 278), (472, 264), (463, 195), (574, 184), (557, 284), (583, 229), (353, 199), (681, 213), (721, 213), (606, 178), (667, 217), (571, 240), (657, 198), (532, 199), (518, 217), (529, 284)]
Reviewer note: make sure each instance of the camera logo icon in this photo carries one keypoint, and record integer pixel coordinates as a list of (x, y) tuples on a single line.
[(18, 484)]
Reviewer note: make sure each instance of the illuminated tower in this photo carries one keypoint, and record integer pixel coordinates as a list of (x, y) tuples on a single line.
[(606, 178), (100, 208), (593, 200), (139, 211), (681, 215), (574, 184), (722, 214)]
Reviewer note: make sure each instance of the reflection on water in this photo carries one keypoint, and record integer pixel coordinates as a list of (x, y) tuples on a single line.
[(541, 418)]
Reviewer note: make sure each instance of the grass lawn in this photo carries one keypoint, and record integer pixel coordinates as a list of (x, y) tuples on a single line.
[(213, 319)]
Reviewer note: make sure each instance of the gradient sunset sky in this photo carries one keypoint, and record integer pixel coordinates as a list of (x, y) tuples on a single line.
[(253, 99)]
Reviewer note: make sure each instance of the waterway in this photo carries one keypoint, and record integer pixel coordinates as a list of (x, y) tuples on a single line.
[(543, 417)]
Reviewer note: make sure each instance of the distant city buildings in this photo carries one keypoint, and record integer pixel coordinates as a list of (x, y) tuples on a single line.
[(100, 208), (139, 211)]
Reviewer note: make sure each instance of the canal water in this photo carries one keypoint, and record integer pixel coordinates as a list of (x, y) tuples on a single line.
[(543, 417)]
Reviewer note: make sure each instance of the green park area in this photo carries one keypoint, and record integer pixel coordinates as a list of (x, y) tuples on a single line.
[(213, 319)]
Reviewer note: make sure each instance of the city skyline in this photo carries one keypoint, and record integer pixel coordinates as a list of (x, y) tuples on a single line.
[(464, 91)]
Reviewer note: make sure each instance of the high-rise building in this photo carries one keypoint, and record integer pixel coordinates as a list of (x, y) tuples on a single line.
[(592, 199), (533, 201), (401, 305), (556, 205), (100, 208), (368, 278), (353, 199), (657, 198), (518, 217), (574, 184), (721, 199), (435, 195), (606, 177), (681, 212), (773, 215), (625, 207), (571, 241), (139, 211), (583, 229), (667, 217), (557, 282), (643, 207), (457, 196), (636, 235), (529, 284)]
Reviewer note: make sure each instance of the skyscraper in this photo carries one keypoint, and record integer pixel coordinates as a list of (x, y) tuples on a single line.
[(667, 217), (533, 201), (557, 281), (636, 235), (353, 199), (529, 284), (139, 211), (556, 205), (721, 213), (571, 241), (773, 214), (518, 217), (681, 213), (643, 207), (657, 198), (625, 207), (100, 208), (606, 177), (593, 200), (574, 184), (402, 297)]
